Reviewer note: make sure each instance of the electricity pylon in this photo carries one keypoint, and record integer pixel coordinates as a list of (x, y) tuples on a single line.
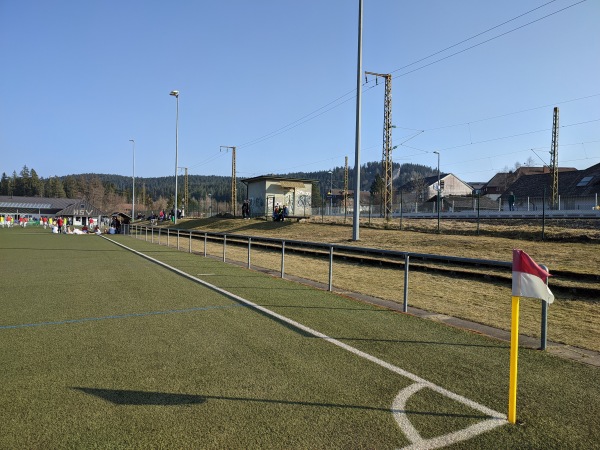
[(233, 180), (185, 190), (554, 159), (386, 159)]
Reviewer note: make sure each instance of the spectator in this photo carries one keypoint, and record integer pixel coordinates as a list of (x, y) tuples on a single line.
[(511, 201)]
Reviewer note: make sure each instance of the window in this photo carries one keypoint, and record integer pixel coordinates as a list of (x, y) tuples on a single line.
[(584, 181)]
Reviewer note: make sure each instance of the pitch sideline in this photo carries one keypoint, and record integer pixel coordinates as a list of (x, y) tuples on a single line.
[(496, 419)]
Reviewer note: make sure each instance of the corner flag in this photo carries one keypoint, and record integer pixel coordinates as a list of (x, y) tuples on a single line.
[(528, 278)]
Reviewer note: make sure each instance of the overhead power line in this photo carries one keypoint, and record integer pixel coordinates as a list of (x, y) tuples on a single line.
[(473, 37), (486, 41), (338, 101)]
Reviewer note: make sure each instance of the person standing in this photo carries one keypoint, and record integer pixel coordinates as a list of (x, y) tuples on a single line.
[(60, 224), (511, 201)]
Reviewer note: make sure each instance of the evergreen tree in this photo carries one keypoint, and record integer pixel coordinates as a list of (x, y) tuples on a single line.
[(37, 185), (377, 187), (25, 182), (317, 200), (17, 185), (5, 186), (71, 187), (55, 188)]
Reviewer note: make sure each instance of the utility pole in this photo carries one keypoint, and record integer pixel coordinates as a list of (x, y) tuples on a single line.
[(386, 158), (185, 203), (346, 189), (554, 159), (185, 190), (144, 195), (233, 180)]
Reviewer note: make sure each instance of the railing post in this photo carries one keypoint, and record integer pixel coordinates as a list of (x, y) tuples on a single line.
[(282, 259), (177, 239), (544, 326), (406, 263), (146, 234), (190, 242), (249, 248), (224, 246), (168, 236), (330, 268), (159, 231), (205, 239)]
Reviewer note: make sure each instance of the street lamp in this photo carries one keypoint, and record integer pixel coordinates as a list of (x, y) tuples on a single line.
[(176, 95), (331, 193), (356, 213), (438, 191), (133, 183)]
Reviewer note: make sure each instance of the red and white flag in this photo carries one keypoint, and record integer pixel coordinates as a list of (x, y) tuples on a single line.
[(528, 278)]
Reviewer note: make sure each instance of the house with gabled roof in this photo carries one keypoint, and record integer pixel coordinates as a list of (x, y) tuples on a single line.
[(426, 188), (500, 182), (80, 212), (578, 189)]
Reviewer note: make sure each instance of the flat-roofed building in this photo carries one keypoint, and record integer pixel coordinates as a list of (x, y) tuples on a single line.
[(265, 192)]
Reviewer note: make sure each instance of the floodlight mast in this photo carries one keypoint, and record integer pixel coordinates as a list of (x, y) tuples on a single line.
[(356, 211), (176, 95), (439, 190), (133, 183)]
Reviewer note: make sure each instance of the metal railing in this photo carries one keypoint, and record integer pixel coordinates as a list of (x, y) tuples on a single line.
[(172, 237)]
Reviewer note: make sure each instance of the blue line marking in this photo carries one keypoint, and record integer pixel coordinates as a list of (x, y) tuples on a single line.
[(122, 316)]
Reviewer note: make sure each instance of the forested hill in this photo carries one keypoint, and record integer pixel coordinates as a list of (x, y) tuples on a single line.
[(113, 189), (219, 187), (368, 175)]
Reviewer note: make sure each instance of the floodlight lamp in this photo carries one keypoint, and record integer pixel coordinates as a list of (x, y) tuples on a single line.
[(174, 93)]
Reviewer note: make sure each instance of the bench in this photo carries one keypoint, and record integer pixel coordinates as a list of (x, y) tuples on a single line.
[(296, 218)]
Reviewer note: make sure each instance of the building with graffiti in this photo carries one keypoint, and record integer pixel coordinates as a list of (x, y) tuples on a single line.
[(265, 192)]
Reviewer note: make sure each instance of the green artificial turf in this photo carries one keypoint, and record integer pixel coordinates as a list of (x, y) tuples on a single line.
[(104, 349)]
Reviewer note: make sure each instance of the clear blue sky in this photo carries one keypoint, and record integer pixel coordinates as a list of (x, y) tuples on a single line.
[(81, 78)]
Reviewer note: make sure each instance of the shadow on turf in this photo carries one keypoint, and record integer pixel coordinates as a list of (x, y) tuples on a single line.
[(141, 398), (127, 397)]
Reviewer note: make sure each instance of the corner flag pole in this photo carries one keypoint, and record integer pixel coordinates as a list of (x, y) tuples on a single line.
[(528, 280), (514, 356)]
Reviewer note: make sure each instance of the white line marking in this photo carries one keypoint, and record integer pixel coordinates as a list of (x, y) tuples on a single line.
[(417, 443)]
